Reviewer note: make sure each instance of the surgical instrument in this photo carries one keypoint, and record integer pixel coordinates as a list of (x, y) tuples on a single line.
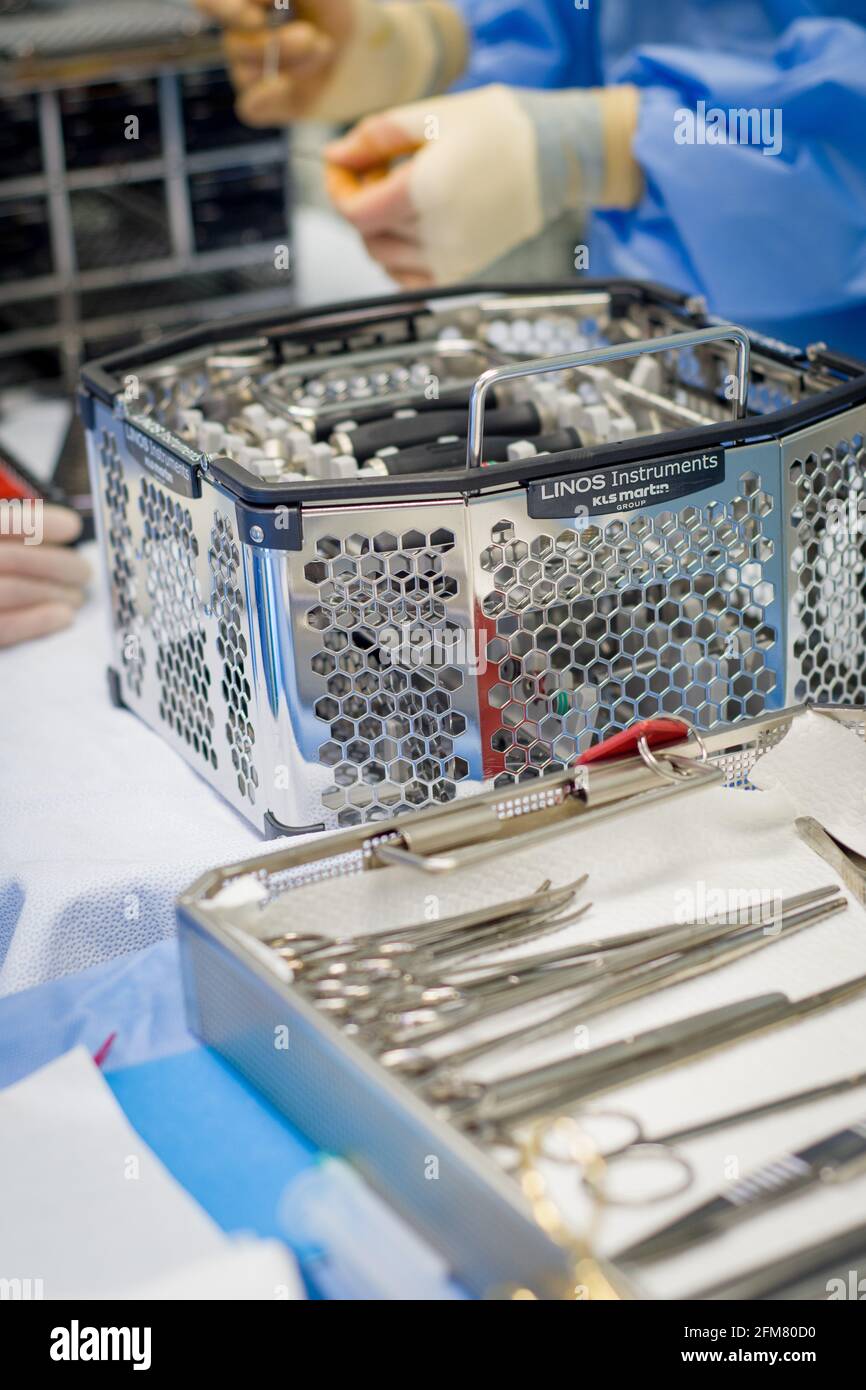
[(625, 986), (585, 794), (764, 913), (520, 1097), (382, 1117), (664, 1146), (495, 987), (835, 1158), (399, 1013), (614, 385), (418, 981), (435, 963), (446, 453), (356, 978), (850, 867), (322, 391), (522, 420), (834, 1256), (681, 955), (407, 985), (591, 1275), (362, 412), (476, 925)]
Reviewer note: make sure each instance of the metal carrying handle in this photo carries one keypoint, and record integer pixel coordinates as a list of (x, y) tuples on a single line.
[(595, 357), (483, 837)]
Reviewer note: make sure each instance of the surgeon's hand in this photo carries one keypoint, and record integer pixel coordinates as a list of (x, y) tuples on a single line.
[(441, 188), (334, 60), (41, 585), (306, 47)]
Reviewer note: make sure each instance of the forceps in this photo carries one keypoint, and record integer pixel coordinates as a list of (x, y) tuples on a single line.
[(313, 955), (423, 977), (683, 953), (406, 1012), (848, 865), (663, 1147), (675, 955), (376, 983), (523, 1096)]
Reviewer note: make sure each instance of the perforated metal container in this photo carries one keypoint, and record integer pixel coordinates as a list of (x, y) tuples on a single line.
[(331, 652)]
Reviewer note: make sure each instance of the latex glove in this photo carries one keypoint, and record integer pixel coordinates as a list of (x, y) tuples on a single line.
[(41, 585), (486, 170), (334, 60)]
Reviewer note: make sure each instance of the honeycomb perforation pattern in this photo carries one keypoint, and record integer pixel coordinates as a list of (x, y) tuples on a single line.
[(381, 615), (737, 763), (121, 560), (828, 561), (170, 550), (625, 619), (227, 607)]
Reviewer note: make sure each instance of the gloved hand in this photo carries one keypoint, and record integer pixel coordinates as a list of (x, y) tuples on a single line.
[(481, 172), (337, 58), (41, 586)]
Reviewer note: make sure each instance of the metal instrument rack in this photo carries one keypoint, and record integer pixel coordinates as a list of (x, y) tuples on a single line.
[(260, 623), (112, 237)]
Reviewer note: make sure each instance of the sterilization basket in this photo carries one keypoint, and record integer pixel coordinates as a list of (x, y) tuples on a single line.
[(333, 651)]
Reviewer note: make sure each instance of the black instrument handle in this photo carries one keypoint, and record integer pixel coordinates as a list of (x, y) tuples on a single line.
[(402, 432), (451, 453)]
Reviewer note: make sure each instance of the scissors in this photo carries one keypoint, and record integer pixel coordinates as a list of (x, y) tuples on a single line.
[(662, 1148), (591, 1276), (835, 1158)]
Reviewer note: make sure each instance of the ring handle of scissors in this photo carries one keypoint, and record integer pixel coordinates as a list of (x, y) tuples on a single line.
[(594, 1175), (663, 1153), (638, 1147), (507, 1150), (583, 1115)]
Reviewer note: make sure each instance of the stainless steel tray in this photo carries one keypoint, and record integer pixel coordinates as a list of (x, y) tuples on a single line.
[(241, 1003)]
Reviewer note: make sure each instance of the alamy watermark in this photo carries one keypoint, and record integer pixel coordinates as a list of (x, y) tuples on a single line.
[(21, 1290), (437, 646), (739, 125), (853, 1287), (22, 517), (747, 907), (77, 1343)]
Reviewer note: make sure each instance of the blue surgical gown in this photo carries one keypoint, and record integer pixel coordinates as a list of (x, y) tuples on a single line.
[(777, 242)]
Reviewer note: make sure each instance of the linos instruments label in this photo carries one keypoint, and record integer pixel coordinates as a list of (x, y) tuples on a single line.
[(165, 463), (625, 487)]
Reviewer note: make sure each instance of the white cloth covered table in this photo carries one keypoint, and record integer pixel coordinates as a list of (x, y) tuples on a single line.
[(101, 823)]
